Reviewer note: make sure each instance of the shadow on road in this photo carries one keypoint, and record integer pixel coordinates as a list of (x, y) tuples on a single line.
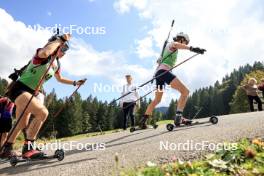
[(123, 137), (160, 134), (71, 152), (23, 168), (26, 167)]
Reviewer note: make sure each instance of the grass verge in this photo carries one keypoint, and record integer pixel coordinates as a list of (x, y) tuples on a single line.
[(246, 159)]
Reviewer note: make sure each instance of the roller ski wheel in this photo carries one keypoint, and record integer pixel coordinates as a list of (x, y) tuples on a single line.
[(213, 120), (195, 123), (132, 129), (155, 126), (170, 127), (188, 123), (13, 161), (59, 154)]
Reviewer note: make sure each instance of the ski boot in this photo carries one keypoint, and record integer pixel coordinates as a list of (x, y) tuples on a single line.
[(7, 151), (30, 152), (143, 122), (153, 124), (186, 121), (177, 119)]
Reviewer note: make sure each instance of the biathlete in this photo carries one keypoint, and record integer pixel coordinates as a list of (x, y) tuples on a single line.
[(23, 89), (168, 61)]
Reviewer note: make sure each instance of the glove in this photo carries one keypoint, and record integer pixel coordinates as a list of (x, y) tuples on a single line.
[(197, 50)]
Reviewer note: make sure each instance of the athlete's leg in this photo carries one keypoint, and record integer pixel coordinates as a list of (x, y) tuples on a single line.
[(37, 109), (21, 125), (178, 85), (3, 138), (150, 108), (154, 103), (41, 98), (8, 145)]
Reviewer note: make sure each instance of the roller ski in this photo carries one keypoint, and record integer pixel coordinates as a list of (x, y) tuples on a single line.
[(213, 120), (143, 125), (7, 153), (180, 121), (58, 154), (30, 154)]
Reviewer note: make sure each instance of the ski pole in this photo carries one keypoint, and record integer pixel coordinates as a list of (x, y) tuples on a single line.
[(62, 107), (35, 93), (166, 41), (155, 76), (140, 98), (163, 48)]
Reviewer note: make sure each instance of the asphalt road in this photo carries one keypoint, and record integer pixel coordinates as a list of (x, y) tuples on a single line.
[(135, 149)]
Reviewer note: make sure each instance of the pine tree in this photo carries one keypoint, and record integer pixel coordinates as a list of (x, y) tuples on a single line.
[(171, 110)]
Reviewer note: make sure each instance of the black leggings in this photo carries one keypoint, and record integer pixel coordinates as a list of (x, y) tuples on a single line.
[(128, 109), (257, 99)]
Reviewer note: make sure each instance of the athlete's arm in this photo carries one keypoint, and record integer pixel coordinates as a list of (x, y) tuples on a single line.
[(49, 49), (68, 81), (63, 80), (52, 46), (176, 45)]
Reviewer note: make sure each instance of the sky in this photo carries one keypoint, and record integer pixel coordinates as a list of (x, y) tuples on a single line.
[(126, 36)]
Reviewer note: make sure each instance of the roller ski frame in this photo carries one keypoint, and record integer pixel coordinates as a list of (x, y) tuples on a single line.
[(137, 128), (58, 154), (4, 160), (213, 120)]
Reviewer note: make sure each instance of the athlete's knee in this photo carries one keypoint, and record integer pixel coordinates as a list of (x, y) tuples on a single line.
[(22, 122), (185, 92), (43, 114)]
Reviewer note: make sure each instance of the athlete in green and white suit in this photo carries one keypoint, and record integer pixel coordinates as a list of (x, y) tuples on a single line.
[(167, 61)]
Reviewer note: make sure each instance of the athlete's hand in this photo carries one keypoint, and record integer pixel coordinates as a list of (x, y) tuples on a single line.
[(66, 37), (78, 83), (197, 50)]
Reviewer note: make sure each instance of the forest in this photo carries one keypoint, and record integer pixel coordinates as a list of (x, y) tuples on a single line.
[(81, 115)]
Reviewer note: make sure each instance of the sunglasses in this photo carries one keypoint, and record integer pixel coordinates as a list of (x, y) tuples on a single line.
[(65, 47)]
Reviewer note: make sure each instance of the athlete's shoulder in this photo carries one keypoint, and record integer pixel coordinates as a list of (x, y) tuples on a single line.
[(171, 46), (36, 60)]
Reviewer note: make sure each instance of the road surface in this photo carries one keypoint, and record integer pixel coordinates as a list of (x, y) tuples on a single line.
[(135, 149)]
